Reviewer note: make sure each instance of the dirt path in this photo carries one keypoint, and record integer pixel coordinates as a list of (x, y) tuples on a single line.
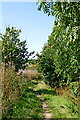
[(46, 113)]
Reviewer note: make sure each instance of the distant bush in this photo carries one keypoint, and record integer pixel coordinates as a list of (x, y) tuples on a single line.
[(31, 67), (46, 65), (32, 61), (31, 74)]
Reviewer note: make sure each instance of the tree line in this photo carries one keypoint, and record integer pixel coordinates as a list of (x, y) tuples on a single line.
[(59, 60)]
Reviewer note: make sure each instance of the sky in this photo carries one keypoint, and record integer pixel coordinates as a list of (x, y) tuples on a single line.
[(35, 25)]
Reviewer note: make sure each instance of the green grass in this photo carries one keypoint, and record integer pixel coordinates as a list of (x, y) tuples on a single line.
[(28, 106), (59, 106)]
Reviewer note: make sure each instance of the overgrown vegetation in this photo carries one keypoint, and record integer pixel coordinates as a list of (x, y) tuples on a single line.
[(11, 89), (58, 66), (19, 99), (14, 57), (60, 105), (59, 61)]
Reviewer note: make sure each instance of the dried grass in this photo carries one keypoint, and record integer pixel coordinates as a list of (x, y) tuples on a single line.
[(66, 92), (30, 74), (11, 88)]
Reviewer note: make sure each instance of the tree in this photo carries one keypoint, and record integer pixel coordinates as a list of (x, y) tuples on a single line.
[(13, 49), (46, 65), (64, 39), (32, 61)]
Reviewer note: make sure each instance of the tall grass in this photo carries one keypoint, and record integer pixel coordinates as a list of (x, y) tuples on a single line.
[(68, 91), (11, 88), (71, 94), (14, 85)]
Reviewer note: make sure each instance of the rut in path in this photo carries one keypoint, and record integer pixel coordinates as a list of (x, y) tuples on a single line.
[(46, 113)]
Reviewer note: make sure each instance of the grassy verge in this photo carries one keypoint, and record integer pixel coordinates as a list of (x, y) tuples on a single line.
[(60, 107), (28, 106)]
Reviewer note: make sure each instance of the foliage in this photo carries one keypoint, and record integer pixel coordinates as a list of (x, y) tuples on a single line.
[(32, 64), (74, 88), (31, 67), (59, 106), (32, 61), (19, 99), (28, 107), (64, 14), (46, 65), (65, 54), (13, 48), (64, 39)]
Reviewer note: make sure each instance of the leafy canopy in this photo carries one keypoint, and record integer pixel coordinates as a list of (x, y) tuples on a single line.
[(13, 49), (64, 39)]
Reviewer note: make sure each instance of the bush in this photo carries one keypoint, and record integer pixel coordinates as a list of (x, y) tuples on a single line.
[(31, 74), (46, 65), (74, 87)]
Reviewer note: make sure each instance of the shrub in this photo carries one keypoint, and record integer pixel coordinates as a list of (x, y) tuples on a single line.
[(31, 74)]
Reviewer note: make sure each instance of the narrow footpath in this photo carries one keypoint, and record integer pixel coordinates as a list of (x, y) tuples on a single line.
[(47, 113)]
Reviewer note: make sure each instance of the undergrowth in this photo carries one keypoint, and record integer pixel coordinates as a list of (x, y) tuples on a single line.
[(61, 105), (18, 98)]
